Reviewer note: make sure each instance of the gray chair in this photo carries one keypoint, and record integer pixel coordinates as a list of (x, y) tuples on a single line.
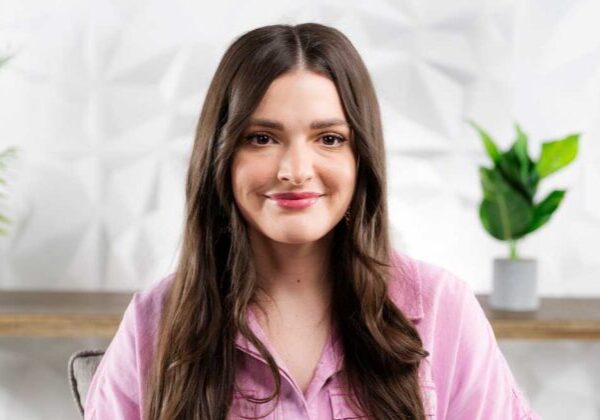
[(82, 365)]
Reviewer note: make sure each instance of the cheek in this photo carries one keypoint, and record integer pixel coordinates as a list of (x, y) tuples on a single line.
[(248, 176), (341, 176)]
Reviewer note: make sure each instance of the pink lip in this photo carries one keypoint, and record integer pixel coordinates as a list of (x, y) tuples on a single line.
[(300, 203), (294, 195), (295, 200)]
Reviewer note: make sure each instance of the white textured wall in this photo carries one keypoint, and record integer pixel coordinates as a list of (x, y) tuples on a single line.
[(102, 100)]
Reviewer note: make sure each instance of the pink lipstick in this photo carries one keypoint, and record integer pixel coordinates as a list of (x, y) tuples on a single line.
[(295, 200)]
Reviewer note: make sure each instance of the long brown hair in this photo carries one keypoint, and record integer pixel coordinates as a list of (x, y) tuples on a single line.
[(192, 375)]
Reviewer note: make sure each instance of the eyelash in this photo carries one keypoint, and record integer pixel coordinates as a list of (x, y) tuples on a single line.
[(340, 139)]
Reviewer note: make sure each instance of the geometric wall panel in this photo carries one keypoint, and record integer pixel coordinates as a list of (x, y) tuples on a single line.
[(102, 99)]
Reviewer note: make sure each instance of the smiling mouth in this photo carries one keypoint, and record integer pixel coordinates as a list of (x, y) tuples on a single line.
[(295, 204)]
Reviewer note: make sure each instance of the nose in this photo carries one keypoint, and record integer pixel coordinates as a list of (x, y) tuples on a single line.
[(295, 165)]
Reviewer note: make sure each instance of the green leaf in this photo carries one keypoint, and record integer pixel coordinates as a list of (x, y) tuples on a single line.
[(557, 154), (545, 208), (520, 150), (5, 219), (488, 142), (517, 176), (485, 217), (487, 182), (517, 167), (504, 212), (520, 145)]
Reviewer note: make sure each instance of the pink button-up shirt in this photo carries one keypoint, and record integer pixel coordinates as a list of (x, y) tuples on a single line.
[(465, 377)]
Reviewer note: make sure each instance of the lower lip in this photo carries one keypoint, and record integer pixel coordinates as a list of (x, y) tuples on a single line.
[(296, 204)]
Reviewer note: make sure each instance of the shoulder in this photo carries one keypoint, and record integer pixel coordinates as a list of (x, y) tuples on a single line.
[(146, 305), (420, 288), (139, 325), (466, 374), (114, 389), (152, 297)]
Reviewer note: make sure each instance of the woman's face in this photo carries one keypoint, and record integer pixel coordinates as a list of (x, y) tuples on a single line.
[(298, 141)]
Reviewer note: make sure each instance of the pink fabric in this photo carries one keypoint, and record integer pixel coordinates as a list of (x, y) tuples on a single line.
[(466, 377)]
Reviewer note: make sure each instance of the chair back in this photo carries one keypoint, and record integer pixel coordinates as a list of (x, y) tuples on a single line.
[(82, 366)]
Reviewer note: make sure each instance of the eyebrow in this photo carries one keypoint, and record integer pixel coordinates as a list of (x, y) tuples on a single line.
[(315, 125)]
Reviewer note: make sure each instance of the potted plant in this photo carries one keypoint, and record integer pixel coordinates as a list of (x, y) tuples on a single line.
[(509, 211)]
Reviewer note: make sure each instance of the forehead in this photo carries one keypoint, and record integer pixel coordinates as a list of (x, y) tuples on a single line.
[(300, 98)]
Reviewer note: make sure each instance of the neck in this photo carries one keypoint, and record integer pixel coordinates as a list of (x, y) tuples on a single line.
[(293, 276)]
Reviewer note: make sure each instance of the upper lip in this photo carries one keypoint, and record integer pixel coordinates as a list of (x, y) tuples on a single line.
[(295, 195)]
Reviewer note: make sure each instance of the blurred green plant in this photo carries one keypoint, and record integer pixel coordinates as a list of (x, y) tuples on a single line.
[(4, 155), (4, 60), (508, 211)]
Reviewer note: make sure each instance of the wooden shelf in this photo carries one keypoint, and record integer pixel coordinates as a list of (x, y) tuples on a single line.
[(98, 314), (556, 319), (61, 314)]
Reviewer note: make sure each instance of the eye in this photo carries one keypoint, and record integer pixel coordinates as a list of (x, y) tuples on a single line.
[(260, 138), (334, 138)]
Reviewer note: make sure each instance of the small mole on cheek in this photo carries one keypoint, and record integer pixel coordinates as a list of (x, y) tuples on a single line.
[(297, 280)]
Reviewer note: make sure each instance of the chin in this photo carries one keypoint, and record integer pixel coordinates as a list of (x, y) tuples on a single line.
[(295, 239), (296, 236)]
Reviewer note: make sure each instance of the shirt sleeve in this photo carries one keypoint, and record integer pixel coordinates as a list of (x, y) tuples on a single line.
[(114, 390), (483, 387)]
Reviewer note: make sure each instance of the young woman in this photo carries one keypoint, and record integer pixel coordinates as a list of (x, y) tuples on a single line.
[(288, 301)]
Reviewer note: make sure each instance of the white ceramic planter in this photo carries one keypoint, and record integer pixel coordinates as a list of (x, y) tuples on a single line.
[(515, 285)]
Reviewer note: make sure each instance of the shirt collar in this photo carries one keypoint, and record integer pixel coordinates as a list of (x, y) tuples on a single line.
[(332, 357), (243, 343)]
